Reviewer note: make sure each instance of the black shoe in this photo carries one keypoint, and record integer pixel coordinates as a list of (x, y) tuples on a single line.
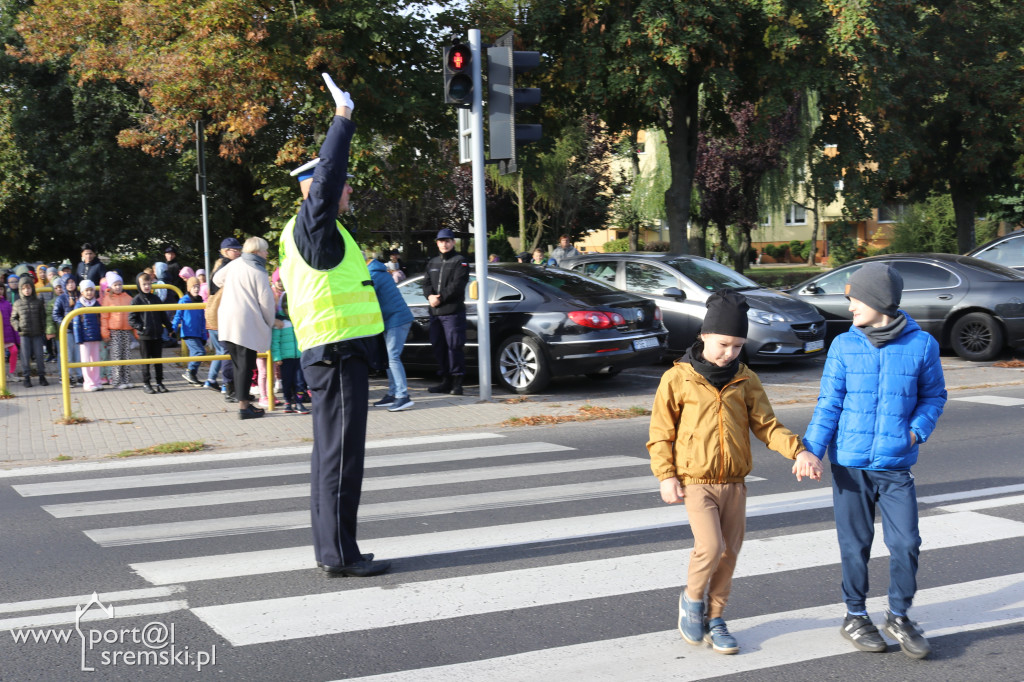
[(862, 633), (300, 408), (443, 387), (43, 381), (289, 408), (366, 557), (147, 388), (28, 382), (160, 388), (908, 634), (212, 385), (358, 569), (250, 413), (230, 398), (190, 377), (456, 384)]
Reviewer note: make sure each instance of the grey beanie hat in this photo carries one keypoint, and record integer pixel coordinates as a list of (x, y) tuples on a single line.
[(877, 285)]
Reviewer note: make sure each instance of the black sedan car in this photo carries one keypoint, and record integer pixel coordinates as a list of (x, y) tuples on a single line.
[(781, 327), (970, 305), (546, 322)]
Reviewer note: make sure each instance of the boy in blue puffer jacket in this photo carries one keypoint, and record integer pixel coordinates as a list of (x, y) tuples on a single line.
[(193, 329), (882, 392)]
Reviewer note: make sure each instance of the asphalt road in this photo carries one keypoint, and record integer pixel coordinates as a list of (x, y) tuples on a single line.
[(519, 554)]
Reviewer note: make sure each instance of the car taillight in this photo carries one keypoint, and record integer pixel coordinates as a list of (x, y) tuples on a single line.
[(595, 319)]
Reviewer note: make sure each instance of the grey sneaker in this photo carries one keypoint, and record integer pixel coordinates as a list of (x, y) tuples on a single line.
[(718, 637), (691, 619), (385, 401), (908, 634), (403, 403)]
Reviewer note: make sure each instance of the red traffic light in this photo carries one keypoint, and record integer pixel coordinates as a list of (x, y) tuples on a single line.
[(459, 58)]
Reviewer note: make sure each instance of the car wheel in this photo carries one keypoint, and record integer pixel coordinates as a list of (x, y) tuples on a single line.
[(522, 366), (977, 337), (603, 376)]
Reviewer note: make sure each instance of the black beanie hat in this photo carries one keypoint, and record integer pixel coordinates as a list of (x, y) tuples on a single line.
[(727, 314), (878, 286)]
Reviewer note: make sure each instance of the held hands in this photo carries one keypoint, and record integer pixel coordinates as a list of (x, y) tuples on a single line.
[(672, 491), (807, 465), (342, 100)]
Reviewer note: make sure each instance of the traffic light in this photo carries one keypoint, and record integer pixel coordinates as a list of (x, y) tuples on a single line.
[(458, 75), (504, 99)]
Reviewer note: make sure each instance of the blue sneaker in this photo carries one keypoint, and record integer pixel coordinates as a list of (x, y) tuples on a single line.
[(403, 403), (718, 637), (691, 619), (386, 401)]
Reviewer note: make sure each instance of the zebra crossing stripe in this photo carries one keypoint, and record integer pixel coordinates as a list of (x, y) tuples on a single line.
[(315, 615), (68, 617), (290, 520), (271, 470), (239, 564), (174, 460), (1001, 401), (108, 597), (766, 641)]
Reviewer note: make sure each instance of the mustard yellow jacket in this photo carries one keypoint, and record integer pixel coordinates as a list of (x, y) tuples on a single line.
[(702, 435)]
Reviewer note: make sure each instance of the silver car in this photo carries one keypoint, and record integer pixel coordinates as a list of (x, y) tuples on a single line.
[(782, 327)]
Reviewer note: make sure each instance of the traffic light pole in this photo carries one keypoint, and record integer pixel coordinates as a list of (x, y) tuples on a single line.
[(476, 120)]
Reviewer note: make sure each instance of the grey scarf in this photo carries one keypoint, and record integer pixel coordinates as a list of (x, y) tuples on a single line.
[(879, 336), (258, 262)]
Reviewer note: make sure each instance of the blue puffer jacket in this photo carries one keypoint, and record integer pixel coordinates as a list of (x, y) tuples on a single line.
[(192, 322), (872, 398), (86, 327), (392, 305)]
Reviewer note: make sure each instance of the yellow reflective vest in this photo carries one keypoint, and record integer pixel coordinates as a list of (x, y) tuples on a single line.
[(327, 307)]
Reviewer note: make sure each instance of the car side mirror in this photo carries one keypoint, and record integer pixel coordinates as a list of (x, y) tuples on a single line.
[(811, 289), (673, 292), (474, 290)]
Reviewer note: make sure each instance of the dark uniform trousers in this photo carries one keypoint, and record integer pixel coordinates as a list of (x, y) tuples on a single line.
[(340, 395), (448, 338)]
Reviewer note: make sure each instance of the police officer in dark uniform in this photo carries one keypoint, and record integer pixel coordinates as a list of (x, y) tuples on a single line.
[(444, 286), (338, 326)]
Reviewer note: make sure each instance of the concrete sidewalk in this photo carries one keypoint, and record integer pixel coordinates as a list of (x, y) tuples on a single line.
[(130, 419)]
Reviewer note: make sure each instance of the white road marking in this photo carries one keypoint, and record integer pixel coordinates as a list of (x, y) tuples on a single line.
[(171, 460), (999, 400), (271, 470), (237, 564), (105, 597), (66, 618), (766, 641), (272, 620), (290, 520)]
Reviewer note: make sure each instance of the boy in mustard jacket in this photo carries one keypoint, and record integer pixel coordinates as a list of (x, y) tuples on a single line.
[(704, 410)]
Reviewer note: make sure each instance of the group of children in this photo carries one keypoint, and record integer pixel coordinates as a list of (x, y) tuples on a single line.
[(882, 391)]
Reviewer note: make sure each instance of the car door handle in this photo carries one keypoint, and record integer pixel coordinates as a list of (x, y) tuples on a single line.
[(945, 297)]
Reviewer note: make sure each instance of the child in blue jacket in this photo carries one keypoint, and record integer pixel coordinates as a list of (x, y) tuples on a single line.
[(882, 392), (193, 329), (284, 347), (88, 332)]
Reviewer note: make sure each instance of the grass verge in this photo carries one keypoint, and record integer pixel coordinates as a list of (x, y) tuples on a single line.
[(585, 414), (165, 448)]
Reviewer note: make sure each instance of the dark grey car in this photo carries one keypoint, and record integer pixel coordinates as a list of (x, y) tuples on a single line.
[(782, 327), (970, 305), (1007, 250)]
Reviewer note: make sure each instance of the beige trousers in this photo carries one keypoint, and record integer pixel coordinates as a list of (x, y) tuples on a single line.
[(718, 519)]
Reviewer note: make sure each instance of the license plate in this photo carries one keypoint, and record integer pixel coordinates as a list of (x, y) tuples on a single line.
[(641, 344), (812, 346)]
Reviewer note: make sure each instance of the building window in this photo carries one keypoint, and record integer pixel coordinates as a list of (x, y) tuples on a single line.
[(641, 142), (796, 215), (891, 212), (766, 220)]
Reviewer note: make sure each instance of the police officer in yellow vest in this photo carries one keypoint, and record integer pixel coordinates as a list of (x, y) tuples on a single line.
[(338, 325)]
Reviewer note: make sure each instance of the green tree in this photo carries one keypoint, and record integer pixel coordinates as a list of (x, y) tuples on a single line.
[(929, 226)]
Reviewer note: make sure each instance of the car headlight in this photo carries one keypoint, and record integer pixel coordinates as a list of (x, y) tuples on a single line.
[(764, 316)]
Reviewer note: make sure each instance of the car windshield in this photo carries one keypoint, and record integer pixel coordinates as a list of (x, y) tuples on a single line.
[(707, 274), (569, 282)]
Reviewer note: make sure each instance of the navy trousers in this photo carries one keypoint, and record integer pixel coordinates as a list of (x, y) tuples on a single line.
[(448, 338), (855, 494), (340, 397)]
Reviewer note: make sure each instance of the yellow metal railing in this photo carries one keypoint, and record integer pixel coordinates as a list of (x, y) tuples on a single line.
[(95, 310)]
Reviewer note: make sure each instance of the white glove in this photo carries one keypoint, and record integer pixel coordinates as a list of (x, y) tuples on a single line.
[(341, 98)]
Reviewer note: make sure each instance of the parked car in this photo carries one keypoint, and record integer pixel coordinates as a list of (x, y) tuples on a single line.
[(782, 327), (972, 306), (1007, 250), (546, 322)]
